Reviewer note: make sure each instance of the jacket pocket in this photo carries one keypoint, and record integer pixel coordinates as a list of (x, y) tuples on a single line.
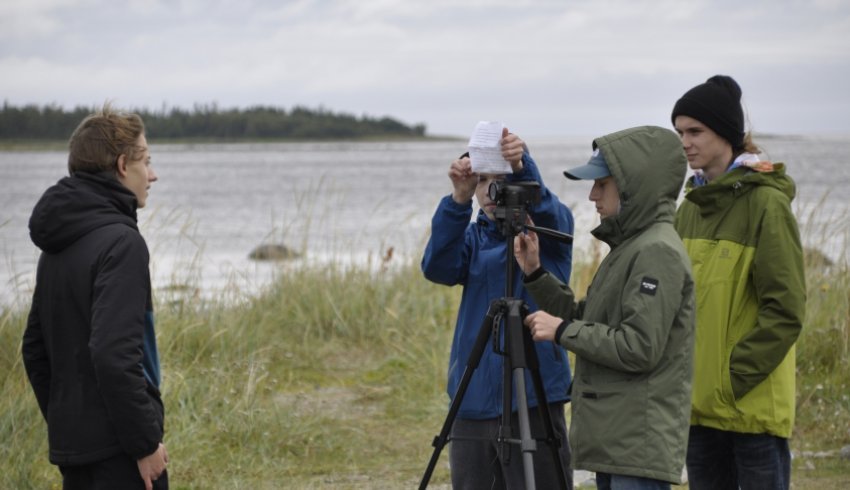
[(727, 396), (609, 416)]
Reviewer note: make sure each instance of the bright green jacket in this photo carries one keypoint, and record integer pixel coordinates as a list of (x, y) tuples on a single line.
[(747, 259), (633, 334)]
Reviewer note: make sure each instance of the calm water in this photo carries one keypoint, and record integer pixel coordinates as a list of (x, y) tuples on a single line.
[(346, 202)]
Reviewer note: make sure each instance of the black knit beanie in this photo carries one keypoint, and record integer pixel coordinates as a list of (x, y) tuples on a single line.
[(717, 104)]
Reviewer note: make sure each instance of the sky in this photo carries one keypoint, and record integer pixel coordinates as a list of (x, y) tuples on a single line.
[(543, 68)]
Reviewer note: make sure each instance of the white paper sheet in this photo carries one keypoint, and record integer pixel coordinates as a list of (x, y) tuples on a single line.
[(485, 152)]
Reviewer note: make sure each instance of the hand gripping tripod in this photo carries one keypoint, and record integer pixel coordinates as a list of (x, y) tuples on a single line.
[(518, 351)]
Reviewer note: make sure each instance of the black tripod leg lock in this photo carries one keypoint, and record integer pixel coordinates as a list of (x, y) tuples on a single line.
[(504, 439), (504, 433)]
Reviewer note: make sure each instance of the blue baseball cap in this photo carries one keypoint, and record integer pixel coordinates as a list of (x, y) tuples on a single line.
[(595, 168)]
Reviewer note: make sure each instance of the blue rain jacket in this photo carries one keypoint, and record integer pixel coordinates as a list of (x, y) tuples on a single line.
[(473, 254)]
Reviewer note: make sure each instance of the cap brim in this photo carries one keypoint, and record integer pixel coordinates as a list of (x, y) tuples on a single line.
[(587, 172)]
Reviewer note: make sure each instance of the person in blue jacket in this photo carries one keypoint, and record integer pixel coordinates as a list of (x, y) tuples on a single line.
[(473, 254)]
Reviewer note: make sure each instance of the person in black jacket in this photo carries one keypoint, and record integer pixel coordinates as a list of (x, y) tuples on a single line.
[(89, 347)]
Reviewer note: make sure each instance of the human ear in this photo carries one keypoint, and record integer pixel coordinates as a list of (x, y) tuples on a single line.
[(121, 165)]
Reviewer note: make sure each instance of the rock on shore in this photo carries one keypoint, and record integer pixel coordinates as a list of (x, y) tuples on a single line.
[(273, 251)]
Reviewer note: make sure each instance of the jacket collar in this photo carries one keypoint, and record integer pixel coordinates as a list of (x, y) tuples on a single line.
[(719, 194)]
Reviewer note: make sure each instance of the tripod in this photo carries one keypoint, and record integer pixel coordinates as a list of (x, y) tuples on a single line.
[(519, 354)]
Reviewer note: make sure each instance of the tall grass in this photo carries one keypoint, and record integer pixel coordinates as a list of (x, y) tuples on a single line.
[(328, 376), (334, 377), (823, 351)]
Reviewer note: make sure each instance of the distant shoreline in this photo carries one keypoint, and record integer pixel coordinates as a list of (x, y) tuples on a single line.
[(61, 145)]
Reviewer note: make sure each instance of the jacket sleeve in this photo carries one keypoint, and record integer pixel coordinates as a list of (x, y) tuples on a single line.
[(650, 299), (447, 255), (779, 279), (552, 296), (117, 330), (34, 353)]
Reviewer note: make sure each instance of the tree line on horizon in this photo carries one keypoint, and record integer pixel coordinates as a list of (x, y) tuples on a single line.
[(207, 121)]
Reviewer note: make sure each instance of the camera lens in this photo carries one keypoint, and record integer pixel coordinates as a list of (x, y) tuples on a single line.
[(493, 190)]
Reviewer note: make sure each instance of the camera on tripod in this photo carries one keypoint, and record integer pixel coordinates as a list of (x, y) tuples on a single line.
[(513, 200)]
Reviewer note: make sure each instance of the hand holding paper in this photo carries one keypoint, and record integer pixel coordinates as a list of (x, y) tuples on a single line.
[(485, 150), (512, 149), (463, 180)]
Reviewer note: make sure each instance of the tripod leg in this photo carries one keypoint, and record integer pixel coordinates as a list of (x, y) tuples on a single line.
[(527, 444), (516, 361), (553, 441), (505, 431), (523, 355), (471, 364)]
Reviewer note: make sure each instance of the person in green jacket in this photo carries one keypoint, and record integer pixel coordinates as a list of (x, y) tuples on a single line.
[(739, 230), (633, 334)]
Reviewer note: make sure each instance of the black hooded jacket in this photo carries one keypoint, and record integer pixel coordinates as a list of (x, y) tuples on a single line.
[(83, 344)]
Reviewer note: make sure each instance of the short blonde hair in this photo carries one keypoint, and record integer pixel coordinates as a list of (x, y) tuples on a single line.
[(101, 138)]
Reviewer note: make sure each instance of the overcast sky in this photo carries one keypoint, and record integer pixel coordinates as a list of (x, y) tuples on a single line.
[(545, 68)]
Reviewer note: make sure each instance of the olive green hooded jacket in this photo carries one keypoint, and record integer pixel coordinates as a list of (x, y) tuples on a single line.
[(633, 334), (743, 239)]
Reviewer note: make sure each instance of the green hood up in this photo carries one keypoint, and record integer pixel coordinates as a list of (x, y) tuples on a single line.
[(648, 164), (633, 335)]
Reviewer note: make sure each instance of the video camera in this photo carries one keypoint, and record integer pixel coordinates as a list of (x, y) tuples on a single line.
[(513, 200)]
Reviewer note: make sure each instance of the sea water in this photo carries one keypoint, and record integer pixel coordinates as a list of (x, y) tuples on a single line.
[(361, 203)]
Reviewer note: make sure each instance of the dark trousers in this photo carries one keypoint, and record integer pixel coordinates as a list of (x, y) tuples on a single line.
[(474, 454), (606, 481), (720, 460), (118, 472)]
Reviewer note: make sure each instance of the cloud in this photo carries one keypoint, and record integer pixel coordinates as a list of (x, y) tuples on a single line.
[(555, 66)]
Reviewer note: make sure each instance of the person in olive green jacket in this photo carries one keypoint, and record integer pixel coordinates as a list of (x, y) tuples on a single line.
[(739, 230), (633, 334)]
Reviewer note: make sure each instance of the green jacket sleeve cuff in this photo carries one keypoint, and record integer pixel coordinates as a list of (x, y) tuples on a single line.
[(560, 331), (537, 274)]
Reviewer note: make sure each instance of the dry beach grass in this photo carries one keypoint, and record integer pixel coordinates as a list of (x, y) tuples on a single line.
[(334, 378)]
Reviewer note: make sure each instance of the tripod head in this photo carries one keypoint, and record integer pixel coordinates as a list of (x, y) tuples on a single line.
[(513, 200)]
